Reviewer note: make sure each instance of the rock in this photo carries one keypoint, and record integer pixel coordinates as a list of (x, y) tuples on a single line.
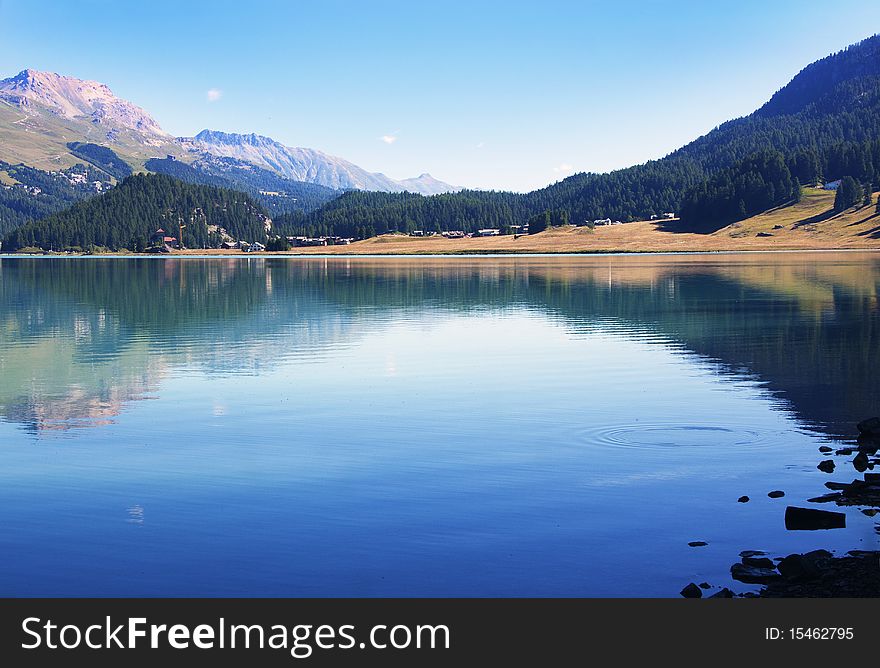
[(825, 449), (826, 466), (724, 593), (758, 562), (752, 575), (698, 543), (869, 427), (799, 567), (751, 553), (810, 519), (692, 591), (872, 478), (860, 462), (705, 585), (837, 486), (844, 451), (856, 488), (776, 494), (869, 444), (870, 512), (743, 499), (826, 498)]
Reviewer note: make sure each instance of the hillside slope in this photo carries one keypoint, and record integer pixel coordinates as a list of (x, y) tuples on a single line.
[(128, 215), (810, 224)]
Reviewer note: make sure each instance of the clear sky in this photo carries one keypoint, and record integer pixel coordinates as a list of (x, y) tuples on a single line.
[(508, 94)]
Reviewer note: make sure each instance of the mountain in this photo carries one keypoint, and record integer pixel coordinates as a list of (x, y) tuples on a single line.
[(306, 164), (427, 185), (42, 112), (75, 98), (824, 124), (127, 216)]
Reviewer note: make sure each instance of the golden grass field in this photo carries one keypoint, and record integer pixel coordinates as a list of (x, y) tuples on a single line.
[(807, 225)]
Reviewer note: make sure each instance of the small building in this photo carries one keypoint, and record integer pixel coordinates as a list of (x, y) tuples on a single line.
[(489, 232), (161, 238), (602, 221), (669, 215), (454, 234), (257, 247), (310, 241), (417, 233)]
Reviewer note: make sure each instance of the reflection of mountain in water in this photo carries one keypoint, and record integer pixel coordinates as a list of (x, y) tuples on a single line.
[(83, 337)]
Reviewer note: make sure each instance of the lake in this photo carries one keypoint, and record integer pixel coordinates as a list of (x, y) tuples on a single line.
[(492, 426)]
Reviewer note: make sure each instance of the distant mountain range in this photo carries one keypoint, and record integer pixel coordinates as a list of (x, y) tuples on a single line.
[(41, 113), (306, 164)]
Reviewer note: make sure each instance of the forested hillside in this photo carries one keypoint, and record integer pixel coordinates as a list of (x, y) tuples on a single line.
[(126, 217), (276, 193), (27, 193)]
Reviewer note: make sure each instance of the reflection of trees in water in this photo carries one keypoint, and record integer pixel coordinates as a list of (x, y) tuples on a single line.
[(100, 332)]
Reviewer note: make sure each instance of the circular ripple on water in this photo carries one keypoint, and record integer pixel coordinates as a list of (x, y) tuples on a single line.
[(658, 436)]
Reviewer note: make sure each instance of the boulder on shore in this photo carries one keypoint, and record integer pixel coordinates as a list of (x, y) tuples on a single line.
[(692, 591), (799, 567), (811, 519), (752, 574)]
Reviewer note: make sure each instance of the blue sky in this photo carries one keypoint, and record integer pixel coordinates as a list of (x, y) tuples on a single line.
[(483, 94)]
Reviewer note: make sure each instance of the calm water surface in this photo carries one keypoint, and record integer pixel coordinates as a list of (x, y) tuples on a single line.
[(422, 427)]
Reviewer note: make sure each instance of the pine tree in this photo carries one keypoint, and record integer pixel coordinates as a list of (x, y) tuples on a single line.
[(849, 193)]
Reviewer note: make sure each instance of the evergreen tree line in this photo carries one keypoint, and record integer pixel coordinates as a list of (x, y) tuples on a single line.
[(768, 179), (56, 191), (101, 157), (128, 215)]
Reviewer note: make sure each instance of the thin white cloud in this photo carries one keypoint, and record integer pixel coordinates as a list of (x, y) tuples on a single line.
[(389, 139), (214, 94), (481, 144), (564, 168)]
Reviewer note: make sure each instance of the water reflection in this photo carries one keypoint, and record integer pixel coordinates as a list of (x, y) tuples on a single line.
[(82, 338), (440, 427)]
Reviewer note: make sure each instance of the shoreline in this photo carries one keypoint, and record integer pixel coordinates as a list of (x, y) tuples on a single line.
[(217, 253), (819, 573)]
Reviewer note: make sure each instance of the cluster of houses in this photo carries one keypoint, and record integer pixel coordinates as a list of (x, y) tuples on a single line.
[(162, 242), (243, 246), (319, 241), (460, 234)]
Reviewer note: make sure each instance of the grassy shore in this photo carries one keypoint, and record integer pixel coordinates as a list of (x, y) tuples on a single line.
[(808, 225)]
